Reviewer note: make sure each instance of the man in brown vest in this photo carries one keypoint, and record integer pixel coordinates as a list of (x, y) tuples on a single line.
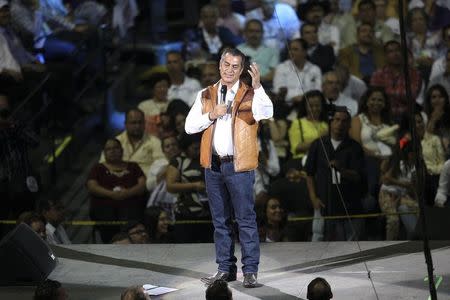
[(228, 113)]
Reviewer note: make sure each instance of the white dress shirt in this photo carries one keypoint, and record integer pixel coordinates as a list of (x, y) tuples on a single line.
[(348, 102), (262, 108), (283, 25), (57, 236), (295, 80), (185, 91), (443, 190)]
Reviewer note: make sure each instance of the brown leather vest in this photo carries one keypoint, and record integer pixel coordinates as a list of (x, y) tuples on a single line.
[(244, 129)]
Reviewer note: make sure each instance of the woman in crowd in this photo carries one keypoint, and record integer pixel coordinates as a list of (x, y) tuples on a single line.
[(272, 219), (437, 108), (372, 129), (312, 123), (117, 188), (397, 190), (157, 221), (153, 107)]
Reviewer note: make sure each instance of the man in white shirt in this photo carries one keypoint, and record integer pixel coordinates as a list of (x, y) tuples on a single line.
[(280, 22), (182, 86), (331, 88), (443, 191), (228, 113), (54, 213)]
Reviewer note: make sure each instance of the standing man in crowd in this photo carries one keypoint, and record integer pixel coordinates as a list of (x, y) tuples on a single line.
[(229, 154)]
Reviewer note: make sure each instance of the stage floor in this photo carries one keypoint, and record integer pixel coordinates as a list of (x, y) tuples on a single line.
[(397, 269)]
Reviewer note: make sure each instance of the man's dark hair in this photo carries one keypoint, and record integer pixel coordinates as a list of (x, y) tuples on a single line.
[(389, 43), (256, 21), (307, 24), (367, 2), (47, 203), (131, 110), (47, 290), (343, 109), (174, 52), (120, 236), (319, 289), (301, 41), (218, 290), (364, 24)]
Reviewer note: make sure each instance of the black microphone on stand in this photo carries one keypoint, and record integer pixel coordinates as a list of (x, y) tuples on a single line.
[(223, 90)]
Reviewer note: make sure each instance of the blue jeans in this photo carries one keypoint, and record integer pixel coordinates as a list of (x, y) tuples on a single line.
[(228, 192)]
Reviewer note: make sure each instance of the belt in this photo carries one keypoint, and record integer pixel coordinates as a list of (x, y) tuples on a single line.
[(223, 159)]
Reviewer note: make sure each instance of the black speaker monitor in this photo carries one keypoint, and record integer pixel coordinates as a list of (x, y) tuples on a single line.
[(24, 257)]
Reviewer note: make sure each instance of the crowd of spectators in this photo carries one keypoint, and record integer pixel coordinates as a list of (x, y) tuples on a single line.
[(339, 143)]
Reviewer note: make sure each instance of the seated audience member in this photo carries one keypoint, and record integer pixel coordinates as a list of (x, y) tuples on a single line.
[(272, 219), (444, 77), (319, 289), (373, 118), (134, 293), (209, 73), (218, 290), (269, 165), (344, 171), (212, 37), (50, 290), (312, 123), (363, 57), (138, 146), (437, 109), (280, 22), (440, 64), (153, 107), (391, 78), (157, 220), (351, 86), (157, 171), (185, 177), (35, 221), (181, 86), (121, 238), (397, 191), (117, 188), (296, 74), (267, 58), (443, 192), (331, 88), (137, 232), (314, 12), (320, 55), (54, 213), (424, 44), (230, 19), (433, 155)]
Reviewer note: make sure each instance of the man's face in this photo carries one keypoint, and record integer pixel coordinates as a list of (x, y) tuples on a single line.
[(175, 63), (365, 35), (393, 55), (297, 52), (135, 124), (253, 34), (5, 16), (208, 18), (224, 7), (230, 69), (55, 215), (210, 75), (331, 86), (268, 8), (309, 34), (367, 14), (160, 90), (315, 14), (340, 124), (138, 235)]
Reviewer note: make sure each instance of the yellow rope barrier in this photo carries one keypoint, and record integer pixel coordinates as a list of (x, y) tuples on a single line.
[(290, 219)]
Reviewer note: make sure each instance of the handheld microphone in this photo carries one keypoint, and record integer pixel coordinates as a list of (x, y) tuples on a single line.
[(223, 90)]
